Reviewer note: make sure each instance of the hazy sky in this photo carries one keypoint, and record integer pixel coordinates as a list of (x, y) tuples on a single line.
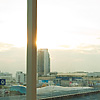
[(69, 28)]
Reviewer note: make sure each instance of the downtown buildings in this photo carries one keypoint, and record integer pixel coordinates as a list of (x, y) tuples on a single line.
[(43, 62)]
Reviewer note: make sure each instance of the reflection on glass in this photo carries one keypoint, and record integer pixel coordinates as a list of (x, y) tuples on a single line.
[(69, 31)]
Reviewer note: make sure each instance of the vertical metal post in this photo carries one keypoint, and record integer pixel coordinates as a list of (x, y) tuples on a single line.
[(31, 48)]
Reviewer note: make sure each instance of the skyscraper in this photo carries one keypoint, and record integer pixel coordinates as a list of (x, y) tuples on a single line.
[(43, 62)]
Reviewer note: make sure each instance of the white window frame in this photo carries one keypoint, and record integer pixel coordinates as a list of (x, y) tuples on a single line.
[(31, 49)]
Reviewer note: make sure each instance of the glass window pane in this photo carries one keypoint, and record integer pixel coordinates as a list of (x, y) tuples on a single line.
[(68, 41), (13, 38)]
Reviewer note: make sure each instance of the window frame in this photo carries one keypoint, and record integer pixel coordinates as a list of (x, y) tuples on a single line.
[(31, 49)]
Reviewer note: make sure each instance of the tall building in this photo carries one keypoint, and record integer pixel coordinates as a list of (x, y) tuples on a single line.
[(43, 62)]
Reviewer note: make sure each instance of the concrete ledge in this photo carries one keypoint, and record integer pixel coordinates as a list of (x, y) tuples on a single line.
[(70, 95)]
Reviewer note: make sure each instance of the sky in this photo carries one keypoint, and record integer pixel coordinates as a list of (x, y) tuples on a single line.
[(70, 29)]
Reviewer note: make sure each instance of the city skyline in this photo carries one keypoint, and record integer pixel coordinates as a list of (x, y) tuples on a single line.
[(69, 29), (61, 60)]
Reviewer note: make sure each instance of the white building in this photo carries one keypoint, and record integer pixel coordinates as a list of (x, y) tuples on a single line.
[(94, 74), (20, 77)]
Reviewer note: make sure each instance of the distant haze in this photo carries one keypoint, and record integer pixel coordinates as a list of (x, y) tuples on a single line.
[(73, 60), (13, 59)]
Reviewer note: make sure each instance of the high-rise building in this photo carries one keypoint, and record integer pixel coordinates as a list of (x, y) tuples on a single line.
[(43, 62)]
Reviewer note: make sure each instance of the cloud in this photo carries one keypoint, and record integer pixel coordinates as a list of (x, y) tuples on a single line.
[(5, 46), (83, 48), (64, 46), (89, 48), (98, 38), (1, 21)]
